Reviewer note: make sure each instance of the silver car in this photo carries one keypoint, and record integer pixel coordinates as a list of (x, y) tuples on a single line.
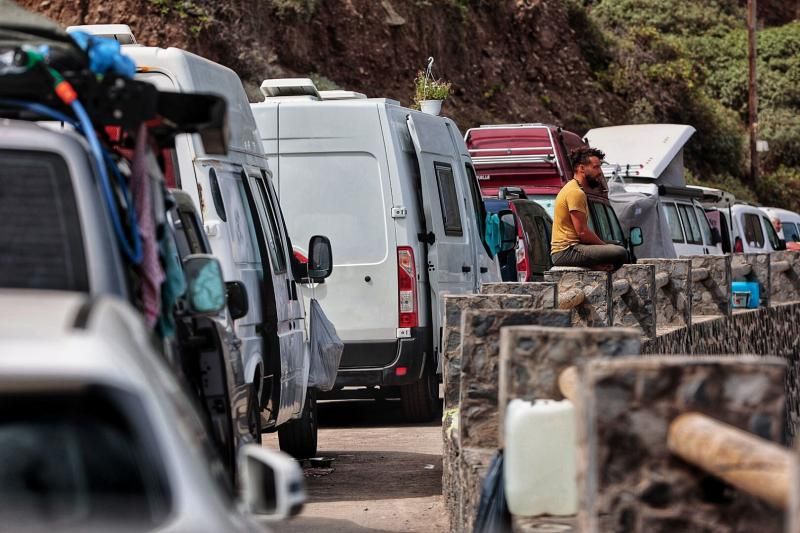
[(97, 434)]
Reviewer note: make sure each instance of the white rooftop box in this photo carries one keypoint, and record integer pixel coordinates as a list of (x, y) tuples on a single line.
[(653, 151)]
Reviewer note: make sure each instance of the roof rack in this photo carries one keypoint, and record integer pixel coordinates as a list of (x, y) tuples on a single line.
[(502, 156), (521, 125)]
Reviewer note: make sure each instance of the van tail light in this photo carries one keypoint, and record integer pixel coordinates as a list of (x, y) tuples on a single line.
[(407, 287), (299, 256), (522, 260), (521, 251)]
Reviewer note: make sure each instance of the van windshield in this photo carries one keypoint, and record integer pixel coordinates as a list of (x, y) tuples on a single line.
[(339, 195), (790, 232)]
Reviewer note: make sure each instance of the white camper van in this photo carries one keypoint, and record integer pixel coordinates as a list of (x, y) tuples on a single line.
[(397, 194), (245, 227), (649, 158)]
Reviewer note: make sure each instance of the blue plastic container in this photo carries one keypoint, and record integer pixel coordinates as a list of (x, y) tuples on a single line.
[(745, 294)]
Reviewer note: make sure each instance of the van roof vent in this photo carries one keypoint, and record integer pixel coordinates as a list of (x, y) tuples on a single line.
[(342, 95), (281, 87), (120, 32)]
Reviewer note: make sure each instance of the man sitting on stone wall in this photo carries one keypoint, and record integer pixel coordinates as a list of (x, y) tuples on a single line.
[(573, 243)]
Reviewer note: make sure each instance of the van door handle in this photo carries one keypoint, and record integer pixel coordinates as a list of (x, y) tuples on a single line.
[(484, 270), (465, 269)]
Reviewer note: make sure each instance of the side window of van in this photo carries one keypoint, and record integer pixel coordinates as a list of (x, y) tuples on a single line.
[(772, 235), (272, 233), (448, 197), (752, 230), (477, 204), (616, 230), (674, 222), (690, 224), (704, 227), (216, 195), (603, 225)]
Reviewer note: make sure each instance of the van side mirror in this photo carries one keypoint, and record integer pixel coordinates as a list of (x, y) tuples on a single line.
[(272, 483), (238, 304), (320, 258), (508, 230), (636, 236), (205, 292)]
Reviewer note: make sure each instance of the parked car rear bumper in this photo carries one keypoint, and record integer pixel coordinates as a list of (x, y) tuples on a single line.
[(409, 354)]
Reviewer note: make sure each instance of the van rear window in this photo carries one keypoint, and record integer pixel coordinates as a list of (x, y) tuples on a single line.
[(752, 230), (341, 196), (41, 246)]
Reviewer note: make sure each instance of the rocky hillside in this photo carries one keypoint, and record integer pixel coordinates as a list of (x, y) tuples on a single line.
[(577, 63)]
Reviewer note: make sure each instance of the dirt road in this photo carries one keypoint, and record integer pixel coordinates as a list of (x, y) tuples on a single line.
[(387, 475)]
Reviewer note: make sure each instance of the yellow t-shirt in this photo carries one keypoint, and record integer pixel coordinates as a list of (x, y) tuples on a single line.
[(570, 198)]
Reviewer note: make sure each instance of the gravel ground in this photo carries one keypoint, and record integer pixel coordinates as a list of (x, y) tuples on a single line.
[(386, 476)]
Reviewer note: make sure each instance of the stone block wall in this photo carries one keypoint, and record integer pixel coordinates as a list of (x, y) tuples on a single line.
[(480, 360), (712, 294), (636, 306), (785, 286), (595, 311), (673, 300), (631, 477), (544, 294)]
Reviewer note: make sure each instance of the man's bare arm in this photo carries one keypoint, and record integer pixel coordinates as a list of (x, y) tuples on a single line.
[(585, 234)]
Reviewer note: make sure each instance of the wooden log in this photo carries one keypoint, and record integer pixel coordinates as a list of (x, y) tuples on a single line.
[(700, 274), (749, 463), (568, 383), (571, 298), (621, 286), (780, 266)]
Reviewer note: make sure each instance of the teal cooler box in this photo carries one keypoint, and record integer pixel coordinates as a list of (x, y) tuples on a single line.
[(745, 294)]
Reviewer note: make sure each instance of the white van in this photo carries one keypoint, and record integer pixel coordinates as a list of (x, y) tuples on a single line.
[(752, 226), (245, 227), (397, 194), (790, 223), (650, 156)]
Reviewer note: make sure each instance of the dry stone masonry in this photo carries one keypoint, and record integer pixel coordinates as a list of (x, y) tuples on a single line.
[(496, 349)]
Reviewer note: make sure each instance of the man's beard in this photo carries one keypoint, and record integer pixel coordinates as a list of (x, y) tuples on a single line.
[(593, 183)]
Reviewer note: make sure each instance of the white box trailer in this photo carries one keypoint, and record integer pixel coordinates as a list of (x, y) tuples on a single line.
[(397, 194)]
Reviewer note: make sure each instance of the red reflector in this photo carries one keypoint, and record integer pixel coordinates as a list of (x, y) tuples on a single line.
[(400, 371), (114, 133)]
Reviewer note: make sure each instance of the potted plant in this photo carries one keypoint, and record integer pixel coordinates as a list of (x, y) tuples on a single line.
[(429, 93)]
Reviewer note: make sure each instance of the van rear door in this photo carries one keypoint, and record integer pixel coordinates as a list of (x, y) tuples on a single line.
[(451, 258)]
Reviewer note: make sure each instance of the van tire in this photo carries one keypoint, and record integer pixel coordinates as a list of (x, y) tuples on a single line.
[(298, 437), (420, 400), (254, 414)]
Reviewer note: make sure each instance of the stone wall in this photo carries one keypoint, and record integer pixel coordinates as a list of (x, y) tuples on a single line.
[(675, 307), (634, 298), (673, 303), (595, 309)]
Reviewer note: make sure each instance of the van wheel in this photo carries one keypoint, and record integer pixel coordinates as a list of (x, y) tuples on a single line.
[(298, 438), (420, 400)]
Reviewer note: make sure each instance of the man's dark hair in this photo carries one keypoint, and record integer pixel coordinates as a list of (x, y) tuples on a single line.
[(581, 155)]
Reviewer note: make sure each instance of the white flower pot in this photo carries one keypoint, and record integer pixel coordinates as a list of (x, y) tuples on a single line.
[(432, 107)]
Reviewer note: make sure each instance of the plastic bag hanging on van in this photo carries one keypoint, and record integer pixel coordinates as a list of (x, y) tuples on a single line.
[(326, 349)]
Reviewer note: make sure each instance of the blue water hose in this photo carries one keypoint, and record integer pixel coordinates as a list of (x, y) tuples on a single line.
[(133, 251)]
